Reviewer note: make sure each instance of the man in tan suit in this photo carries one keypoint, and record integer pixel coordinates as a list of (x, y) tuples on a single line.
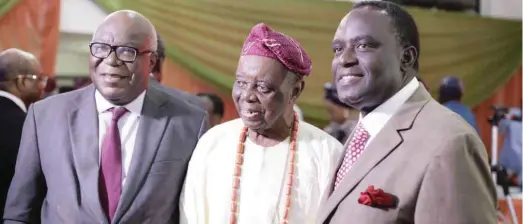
[(409, 160)]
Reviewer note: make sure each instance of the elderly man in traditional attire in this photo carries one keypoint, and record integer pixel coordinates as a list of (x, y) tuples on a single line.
[(267, 167)]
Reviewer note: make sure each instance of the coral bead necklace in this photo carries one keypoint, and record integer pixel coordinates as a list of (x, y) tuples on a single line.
[(238, 171)]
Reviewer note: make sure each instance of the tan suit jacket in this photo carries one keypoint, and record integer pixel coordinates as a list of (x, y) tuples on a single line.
[(430, 160)]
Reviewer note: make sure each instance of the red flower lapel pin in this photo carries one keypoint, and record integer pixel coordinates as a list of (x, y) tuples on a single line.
[(376, 197)]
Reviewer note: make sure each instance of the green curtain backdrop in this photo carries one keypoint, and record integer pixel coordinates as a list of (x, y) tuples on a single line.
[(206, 37), (6, 5)]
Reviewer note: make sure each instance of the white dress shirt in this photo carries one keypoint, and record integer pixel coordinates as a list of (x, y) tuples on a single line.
[(127, 127), (378, 118), (15, 100)]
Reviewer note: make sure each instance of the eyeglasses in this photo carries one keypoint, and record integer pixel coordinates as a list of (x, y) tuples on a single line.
[(42, 80), (123, 53)]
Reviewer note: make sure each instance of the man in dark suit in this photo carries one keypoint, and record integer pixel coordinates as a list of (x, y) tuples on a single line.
[(409, 159), (21, 84), (156, 79), (112, 152)]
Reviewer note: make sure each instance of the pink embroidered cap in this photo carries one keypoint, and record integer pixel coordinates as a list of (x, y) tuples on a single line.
[(264, 41)]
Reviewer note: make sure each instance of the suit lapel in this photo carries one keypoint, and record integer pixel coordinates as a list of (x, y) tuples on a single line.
[(83, 124), (380, 147), (150, 131), (388, 139)]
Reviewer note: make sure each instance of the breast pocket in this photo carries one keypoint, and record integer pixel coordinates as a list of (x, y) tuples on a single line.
[(166, 167)]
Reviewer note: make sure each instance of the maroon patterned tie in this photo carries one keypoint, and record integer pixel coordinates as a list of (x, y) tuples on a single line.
[(110, 180), (354, 150)]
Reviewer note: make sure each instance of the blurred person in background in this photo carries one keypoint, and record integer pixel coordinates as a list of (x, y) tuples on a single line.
[(342, 120), (510, 154), (450, 93), (214, 107), (280, 166), (156, 77), (21, 84)]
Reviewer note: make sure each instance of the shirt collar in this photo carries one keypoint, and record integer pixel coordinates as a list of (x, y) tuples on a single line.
[(135, 106), (15, 100), (376, 120)]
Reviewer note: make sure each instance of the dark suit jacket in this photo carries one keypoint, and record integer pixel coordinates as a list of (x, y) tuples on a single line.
[(430, 160), (192, 99), (11, 122), (59, 150)]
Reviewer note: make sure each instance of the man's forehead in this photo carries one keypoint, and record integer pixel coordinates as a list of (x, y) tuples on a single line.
[(248, 68), (364, 20), (253, 65), (124, 29), (115, 37)]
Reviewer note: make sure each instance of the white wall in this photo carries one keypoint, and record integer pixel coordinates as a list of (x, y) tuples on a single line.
[(80, 16), (73, 55), (504, 9)]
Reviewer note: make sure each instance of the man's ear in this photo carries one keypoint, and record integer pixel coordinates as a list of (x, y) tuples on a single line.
[(298, 87), (409, 57), (153, 59)]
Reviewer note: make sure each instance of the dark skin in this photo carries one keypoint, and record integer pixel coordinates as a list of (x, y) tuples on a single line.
[(20, 67), (262, 93), (369, 65), (117, 81)]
